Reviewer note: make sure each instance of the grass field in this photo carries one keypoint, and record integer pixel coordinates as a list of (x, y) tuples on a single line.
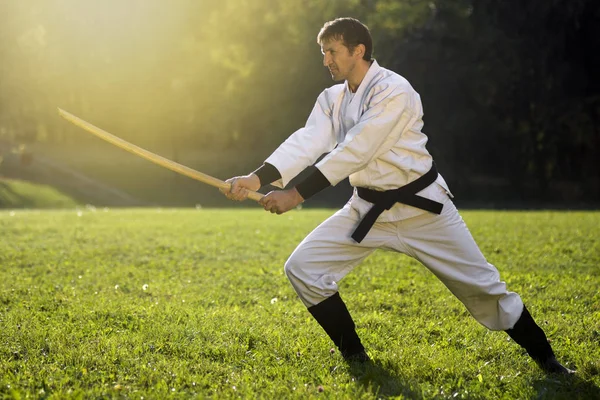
[(170, 303), (22, 194)]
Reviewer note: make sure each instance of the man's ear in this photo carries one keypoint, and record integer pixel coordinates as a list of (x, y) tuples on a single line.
[(359, 50)]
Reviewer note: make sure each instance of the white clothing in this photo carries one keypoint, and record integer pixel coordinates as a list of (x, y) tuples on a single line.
[(374, 138), (442, 243)]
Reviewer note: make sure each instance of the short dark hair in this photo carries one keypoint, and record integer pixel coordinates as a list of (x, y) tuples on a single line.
[(350, 31)]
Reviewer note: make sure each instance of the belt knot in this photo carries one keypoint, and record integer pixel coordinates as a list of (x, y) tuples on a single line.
[(385, 200)]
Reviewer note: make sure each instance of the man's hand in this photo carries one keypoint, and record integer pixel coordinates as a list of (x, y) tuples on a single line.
[(280, 201), (240, 186)]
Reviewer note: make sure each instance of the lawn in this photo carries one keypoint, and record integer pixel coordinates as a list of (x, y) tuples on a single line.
[(180, 303), (23, 194)]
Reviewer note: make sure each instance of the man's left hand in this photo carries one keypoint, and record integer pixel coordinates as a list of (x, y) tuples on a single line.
[(280, 201)]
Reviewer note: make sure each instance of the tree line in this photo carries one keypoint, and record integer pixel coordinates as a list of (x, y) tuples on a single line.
[(510, 89)]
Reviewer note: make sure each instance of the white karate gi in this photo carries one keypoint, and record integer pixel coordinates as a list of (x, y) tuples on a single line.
[(374, 137)]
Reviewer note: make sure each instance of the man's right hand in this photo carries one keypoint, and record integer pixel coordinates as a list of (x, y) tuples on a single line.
[(240, 185)]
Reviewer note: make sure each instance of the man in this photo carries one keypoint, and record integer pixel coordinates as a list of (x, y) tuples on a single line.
[(370, 126)]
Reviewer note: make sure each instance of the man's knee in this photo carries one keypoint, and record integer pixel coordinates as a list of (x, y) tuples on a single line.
[(288, 268), (310, 280), (497, 313), (293, 268)]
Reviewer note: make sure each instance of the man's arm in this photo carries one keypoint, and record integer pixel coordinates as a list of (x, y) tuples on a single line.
[(267, 173), (377, 132), (240, 185), (300, 150), (306, 145), (281, 201)]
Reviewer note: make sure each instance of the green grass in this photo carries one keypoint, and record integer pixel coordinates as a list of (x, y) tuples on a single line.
[(22, 194), (218, 318)]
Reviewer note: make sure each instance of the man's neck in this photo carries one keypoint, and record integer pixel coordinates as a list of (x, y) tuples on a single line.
[(361, 69)]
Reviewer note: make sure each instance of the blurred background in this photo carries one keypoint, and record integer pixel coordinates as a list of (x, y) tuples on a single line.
[(511, 93)]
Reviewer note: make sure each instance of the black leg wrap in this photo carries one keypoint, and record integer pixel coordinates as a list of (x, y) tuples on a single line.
[(531, 337), (335, 319)]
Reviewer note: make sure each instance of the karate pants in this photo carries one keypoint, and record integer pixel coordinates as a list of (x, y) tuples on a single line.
[(442, 243)]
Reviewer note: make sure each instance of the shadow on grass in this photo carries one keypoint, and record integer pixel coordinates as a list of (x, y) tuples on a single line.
[(565, 387), (375, 378)]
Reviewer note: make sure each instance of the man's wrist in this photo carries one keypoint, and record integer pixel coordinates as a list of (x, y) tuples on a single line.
[(266, 174), (297, 195), (313, 184), (255, 180)]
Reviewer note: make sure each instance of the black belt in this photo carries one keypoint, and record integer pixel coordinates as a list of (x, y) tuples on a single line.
[(406, 194)]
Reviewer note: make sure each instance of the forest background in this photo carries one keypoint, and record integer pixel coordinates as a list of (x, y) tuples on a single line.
[(511, 91)]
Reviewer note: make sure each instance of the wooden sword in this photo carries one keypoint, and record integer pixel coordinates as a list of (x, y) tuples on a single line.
[(148, 155)]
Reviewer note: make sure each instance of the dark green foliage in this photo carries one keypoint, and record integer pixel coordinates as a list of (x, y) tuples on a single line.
[(510, 88)]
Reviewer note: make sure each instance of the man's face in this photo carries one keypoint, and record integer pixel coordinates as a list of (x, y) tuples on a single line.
[(338, 59)]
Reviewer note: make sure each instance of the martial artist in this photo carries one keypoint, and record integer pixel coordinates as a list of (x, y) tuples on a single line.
[(370, 128)]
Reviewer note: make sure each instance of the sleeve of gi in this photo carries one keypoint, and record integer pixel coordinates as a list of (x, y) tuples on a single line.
[(390, 113), (307, 144)]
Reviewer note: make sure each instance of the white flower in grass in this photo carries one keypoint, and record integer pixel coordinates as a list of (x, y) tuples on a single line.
[(274, 300), (145, 287), (116, 287)]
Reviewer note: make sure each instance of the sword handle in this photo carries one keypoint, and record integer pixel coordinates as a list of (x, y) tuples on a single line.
[(252, 195)]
